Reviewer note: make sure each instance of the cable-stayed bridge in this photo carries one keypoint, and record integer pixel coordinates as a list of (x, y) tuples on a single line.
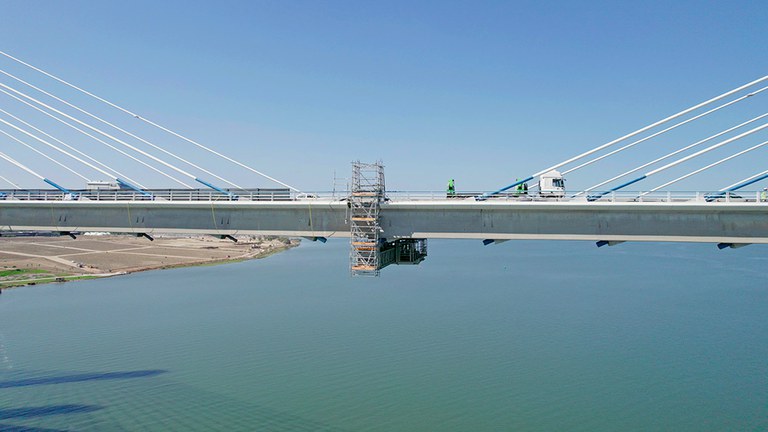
[(384, 227)]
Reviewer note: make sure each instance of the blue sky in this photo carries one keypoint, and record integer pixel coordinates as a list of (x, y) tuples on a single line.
[(482, 92)]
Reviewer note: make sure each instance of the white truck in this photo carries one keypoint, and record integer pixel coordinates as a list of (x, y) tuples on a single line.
[(552, 184)]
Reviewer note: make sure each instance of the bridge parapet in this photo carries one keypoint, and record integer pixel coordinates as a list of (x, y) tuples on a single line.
[(193, 195), (612, 196), (148, 195)]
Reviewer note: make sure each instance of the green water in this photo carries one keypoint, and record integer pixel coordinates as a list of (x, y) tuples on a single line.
[(548, 336)]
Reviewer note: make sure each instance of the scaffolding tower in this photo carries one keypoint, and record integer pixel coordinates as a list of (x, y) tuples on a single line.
[(366, 196)]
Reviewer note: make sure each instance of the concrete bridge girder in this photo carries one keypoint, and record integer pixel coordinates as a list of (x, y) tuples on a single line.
[(643, 221), (580, 221), (278, 218)]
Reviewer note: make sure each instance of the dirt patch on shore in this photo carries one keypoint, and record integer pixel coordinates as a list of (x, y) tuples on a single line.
[(25, 260)]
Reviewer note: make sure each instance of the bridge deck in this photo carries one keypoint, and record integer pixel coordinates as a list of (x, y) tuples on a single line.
[(667, 217)]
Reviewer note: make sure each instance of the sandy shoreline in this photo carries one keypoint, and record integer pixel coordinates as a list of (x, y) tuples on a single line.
[(35, 260)]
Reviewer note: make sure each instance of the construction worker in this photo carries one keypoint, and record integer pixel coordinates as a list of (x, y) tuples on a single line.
[(519, 190), (451, 189)]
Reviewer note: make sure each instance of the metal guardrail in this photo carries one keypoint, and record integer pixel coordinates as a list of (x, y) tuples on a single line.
[(594, 196), (150, 195), (675, 196), (253, 195)]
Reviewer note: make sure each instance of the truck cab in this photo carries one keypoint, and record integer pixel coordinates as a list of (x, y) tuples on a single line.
[(552, 184)]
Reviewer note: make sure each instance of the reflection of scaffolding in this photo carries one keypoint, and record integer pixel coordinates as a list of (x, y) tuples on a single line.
[(367, 193), (403, 251)]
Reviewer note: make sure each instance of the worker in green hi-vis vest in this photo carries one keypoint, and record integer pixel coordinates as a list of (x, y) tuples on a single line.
[(521, 189), (451, 189)]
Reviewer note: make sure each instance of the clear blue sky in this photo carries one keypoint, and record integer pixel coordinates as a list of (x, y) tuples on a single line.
[(483, 92)]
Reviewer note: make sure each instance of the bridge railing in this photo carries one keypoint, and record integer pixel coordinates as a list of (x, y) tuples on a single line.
[(594, 196), (207, 195), (673, 196), (147, 195)]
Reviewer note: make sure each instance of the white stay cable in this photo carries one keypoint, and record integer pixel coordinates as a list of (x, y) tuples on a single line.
[(651, 126), (113, 176), (617, 140), (20, 165), (43, 155), (669, 155), (119, 129), (10, 182), (676, 125), (150, 122), (706, 167), (217, 153), (698, 153), (748, 179), (59, 149), (101, 132), (708, 149), (50, 182), (122, 152)]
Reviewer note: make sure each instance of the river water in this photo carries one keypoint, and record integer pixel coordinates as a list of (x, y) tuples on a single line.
[(519, 336)]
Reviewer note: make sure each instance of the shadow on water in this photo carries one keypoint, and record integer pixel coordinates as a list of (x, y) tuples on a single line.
[(12, 428), (30, 412), (175, 400), (62, 379)]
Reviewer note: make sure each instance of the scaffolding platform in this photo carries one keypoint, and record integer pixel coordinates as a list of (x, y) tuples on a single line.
[(366, 196), (369, 252)]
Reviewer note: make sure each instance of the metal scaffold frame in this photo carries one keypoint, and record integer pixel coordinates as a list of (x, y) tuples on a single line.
[(366, 196)]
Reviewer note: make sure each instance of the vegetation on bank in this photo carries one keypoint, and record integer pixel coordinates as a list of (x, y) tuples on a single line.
[(20, 272), (47, 279)]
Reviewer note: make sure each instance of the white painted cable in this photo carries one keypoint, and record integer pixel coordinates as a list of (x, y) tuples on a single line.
[(755, 147), (150, 122), (669, 155), (59, 149), (95, 129), (217, 154), (85, 155), (20, 165), (651, 126), (119, 129), (43, 154), (122, 152), (744, 180), (10, 182), (675, 126), (142, 152), (706, 150)]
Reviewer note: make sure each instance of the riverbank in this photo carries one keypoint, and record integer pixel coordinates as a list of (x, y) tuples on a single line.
[(34, 260)]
